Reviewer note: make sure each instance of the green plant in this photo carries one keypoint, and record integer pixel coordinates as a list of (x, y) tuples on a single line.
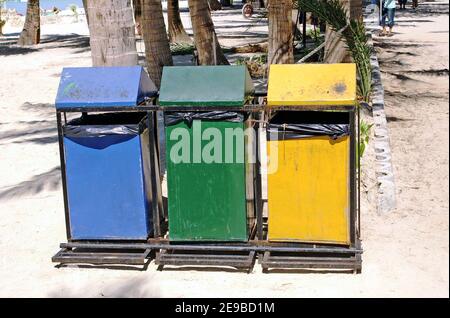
[(354, 34), (364, 132), (361, 53), (256, 64), (181, 48), (260, 59), (74, 9), (2, 22), (313, 33)]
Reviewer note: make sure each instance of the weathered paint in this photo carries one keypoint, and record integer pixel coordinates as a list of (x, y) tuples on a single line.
[(205, 86), (308, 195), (312, 84), (207, 201), (108, 187), (103, 87)]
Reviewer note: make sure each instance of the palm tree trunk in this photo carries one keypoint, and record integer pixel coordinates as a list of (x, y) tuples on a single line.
[(111, 29), (281, 48), (31, 33), (204, 34), (177, 33), (335, 48), (355, 9), (85, 11), (1, 21), (157, 49), (214, 5), (137, 6)]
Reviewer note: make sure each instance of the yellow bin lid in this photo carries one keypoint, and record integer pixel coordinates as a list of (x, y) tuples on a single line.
[(312, 84)]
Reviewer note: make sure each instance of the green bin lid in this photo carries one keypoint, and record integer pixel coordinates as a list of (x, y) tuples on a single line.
[(205, 86)]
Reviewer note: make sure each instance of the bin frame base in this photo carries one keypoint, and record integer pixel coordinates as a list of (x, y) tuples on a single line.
[(239, 255), (311, 261), (98, 256), (239, 260)]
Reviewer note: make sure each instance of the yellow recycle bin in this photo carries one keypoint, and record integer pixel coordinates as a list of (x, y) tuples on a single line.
[(309, 151)]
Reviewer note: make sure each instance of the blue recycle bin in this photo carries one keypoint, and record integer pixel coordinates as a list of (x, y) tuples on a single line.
[(106, 155)]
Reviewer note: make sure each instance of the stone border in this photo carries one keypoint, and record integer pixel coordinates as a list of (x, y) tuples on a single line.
[(383, 164)]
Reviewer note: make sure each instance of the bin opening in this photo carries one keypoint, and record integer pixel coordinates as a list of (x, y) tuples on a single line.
[(131, 118), (108, 173), (129, 124), (295, 117), (295, 125), (174, 118)]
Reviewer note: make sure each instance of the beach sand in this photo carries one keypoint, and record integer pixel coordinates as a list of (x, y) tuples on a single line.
[(405, 251)]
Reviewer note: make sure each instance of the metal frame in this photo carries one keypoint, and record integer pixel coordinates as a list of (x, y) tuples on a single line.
[(239, 255), (352, 261)]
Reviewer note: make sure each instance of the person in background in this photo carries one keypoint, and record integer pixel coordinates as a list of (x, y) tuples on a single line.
[(415, 4), (389, 14), (403, 4)]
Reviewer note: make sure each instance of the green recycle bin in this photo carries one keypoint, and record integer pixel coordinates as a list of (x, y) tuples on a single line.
[(210, 169)]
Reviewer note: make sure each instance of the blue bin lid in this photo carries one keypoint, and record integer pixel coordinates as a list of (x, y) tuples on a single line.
[(103, 87)]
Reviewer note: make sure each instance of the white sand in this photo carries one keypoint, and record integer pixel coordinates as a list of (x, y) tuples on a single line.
[(406, 252)]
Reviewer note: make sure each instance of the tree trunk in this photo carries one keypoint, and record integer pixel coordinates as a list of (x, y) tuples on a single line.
[(335, 46), (355, 9), (111, 29), (1, 21), (205, 35), (177, 33), (31, 33), (157, 49), (137, 6), (281, 48), (85, 10), (214, 5)]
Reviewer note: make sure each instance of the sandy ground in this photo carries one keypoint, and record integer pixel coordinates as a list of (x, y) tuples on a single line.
[(406, 251)]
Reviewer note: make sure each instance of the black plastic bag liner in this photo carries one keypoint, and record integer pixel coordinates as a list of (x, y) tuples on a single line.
[(106, 124), (296, 125), (174, 118)]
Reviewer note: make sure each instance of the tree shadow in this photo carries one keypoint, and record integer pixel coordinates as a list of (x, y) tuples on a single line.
[(6, 50), (49, 181), (26, 132), (237, 8), (397, 119), (232, 35), (37, 106), (425, 9), (35, 131), (397, 45), (394, 62), (79, 43), (38, 140), (403, 78), (413, 96), (137, 287), (430, 72), (72, 41)]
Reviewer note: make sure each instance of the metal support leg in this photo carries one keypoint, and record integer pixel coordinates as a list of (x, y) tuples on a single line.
[(353, 155), (63, 174), (155, 177)]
